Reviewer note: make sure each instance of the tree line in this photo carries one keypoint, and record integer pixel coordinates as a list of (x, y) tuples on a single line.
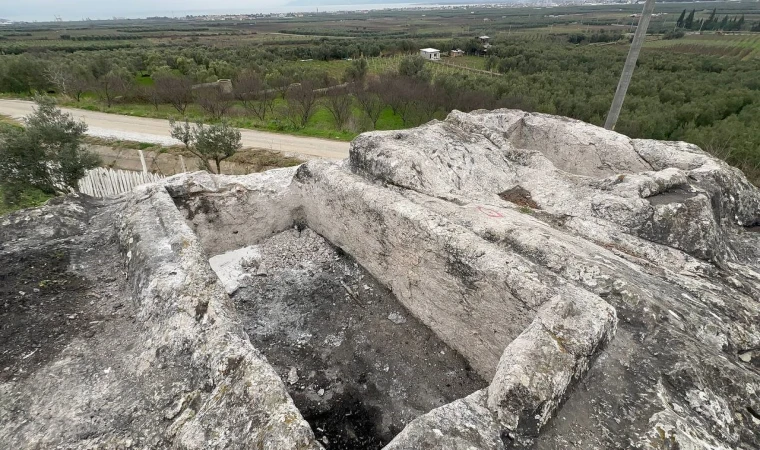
[(711, 101), (713, 22)]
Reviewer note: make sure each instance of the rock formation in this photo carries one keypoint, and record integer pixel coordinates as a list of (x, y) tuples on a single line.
[(604, 290)]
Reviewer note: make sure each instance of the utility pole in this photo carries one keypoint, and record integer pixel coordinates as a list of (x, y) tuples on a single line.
[(630, 63)]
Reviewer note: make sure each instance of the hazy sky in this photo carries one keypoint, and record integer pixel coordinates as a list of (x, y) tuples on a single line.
[(77, 9)]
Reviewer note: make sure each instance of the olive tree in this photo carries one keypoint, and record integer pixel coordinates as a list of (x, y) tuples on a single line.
[(46, 154), (357, 71), (414, 67), (208, 142)]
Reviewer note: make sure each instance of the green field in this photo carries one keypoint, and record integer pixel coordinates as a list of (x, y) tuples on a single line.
[(698, 82), (745, 46)]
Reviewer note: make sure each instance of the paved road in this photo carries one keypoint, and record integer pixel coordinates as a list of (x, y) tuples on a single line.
[(157, 131)]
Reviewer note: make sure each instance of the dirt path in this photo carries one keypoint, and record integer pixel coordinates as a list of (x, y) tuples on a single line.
[(157, 131), (244, 162)]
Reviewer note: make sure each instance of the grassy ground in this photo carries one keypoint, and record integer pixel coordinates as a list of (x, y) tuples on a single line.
[(31, 198), (473, 62), (741, 46), (9, 121), (335, 69), (320, 125)]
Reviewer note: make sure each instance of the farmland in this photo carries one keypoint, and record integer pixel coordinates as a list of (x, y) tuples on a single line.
[(740, 46), (339, 74)]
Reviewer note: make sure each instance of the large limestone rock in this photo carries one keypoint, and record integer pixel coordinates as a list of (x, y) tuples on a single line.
[(121, 336), (607, 288), (662, 231)]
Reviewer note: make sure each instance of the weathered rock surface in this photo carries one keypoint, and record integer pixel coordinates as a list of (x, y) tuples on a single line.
[(661, 231), (151, 354), (608, 289)]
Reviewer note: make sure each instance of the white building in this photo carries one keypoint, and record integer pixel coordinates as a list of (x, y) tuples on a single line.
[(431, 54)]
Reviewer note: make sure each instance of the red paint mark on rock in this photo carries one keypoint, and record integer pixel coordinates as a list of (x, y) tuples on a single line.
[(490, 212)]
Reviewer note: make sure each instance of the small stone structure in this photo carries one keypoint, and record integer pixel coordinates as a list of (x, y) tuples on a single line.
[(603, 290), (432, 54), (224, 86)]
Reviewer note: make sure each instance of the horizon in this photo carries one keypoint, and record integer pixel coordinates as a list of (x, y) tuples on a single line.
[(30, 13)]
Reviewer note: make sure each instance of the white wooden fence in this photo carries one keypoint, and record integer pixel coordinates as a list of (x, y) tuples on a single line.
[(101, 182)]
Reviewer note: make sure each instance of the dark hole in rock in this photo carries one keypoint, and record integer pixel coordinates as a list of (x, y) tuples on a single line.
[(520, 197), (356, 364)]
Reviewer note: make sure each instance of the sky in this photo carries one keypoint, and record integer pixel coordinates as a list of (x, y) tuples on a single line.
[(105, 9)]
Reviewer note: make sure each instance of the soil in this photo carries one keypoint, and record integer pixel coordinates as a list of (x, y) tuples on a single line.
[(356, 364), (520, 197), (47, 298), (43, 308), (169, 163)]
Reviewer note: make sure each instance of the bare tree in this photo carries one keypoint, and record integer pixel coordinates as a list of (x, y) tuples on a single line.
[(252, 91), (301, 102), (449, 90), (113, 85), (280, 83), (425, 102), (150, 95), (79, 84), (175, 90), (339, 103), (70, 80), (470, 100), (399, 95), (59, 76), (213, 100), (369, 100)]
